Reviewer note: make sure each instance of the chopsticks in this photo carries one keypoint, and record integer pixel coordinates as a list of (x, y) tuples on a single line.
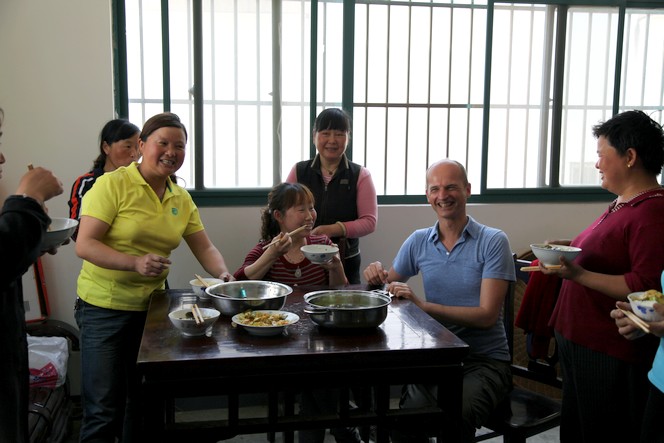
[(276, 239), (537, 268), (645, 327), (198, 317), (203, 282)]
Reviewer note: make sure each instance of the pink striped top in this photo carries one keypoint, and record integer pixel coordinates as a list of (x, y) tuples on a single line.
[(285, 272)]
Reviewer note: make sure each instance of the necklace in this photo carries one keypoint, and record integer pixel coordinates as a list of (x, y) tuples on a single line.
[(297, 259), (330, 171)]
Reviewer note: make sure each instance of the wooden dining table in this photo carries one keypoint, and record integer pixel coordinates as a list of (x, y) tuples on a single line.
[(408, 347)]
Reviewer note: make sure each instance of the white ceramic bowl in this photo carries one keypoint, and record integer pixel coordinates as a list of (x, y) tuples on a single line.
[(319, 254), (199, 289), (643, 308), (549, 254), (58, 232), (183, 319), (265, 331)]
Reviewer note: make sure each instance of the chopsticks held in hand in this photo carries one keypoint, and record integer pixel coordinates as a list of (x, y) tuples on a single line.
[(645, 327), (276, 239), (198, 317), (537, 268)]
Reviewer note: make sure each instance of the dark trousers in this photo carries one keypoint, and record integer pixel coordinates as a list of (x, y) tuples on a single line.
[(603, 397), (352, 269), (110, 385), (486, 382), (652, 430)]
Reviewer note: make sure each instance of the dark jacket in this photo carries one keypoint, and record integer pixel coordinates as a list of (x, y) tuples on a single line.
[(22, 224), (335, 202)]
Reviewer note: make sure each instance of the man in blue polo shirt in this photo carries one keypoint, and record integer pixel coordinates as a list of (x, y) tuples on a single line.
[(466, 269)]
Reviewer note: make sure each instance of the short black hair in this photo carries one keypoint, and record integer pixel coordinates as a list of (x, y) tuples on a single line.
[(332, 118), (635, 129)]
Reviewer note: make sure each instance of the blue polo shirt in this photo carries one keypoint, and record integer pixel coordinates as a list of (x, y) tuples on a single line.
[(454, 277)]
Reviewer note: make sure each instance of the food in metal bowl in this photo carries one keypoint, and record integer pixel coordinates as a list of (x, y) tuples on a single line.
[(238, 296), (347, 309)]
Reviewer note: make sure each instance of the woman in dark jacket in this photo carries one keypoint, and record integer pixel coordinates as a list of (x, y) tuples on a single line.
[(23, 222)]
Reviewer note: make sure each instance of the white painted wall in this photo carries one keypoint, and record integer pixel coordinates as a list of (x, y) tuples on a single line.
[(57, 92)]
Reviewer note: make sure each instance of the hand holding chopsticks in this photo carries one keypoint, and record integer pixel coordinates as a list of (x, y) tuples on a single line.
[(198, 317), (290, 234), (645, 327)]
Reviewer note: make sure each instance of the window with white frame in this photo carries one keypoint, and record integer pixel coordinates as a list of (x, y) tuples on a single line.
[(248, 76)]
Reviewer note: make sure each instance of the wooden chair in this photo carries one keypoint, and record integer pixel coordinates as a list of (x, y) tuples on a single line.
[(526, 412)]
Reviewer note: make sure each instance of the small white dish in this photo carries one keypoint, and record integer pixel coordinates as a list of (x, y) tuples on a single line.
[(266, 331), (58, 232), (183, 319), (643, 308), (199, 289), (550, 255), (319, 254)]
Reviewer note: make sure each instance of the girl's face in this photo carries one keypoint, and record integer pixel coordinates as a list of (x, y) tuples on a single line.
[(302, 214), (163, 152), (331, 143), (121, 153)]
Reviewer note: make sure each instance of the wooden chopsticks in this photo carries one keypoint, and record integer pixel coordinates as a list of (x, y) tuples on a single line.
[(198, 317), (537, 268), (645, 327), (203, 282), (276, 239)]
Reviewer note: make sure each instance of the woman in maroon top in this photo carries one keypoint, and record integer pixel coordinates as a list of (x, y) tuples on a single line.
[(290, 206), (605, 382)]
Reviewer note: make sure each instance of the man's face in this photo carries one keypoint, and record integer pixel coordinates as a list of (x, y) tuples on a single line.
[(447, 192)]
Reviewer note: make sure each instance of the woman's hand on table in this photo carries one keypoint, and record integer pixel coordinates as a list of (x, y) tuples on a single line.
[(226, 276), (151, 265), (375, 274)]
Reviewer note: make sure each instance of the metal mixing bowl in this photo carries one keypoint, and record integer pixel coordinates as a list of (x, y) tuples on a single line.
[(239, 296), (345, 309)]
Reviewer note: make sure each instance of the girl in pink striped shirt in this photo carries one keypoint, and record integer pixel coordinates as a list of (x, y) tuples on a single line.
[(290, 206)]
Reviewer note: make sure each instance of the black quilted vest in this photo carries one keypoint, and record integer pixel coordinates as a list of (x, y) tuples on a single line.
[(335, 202)]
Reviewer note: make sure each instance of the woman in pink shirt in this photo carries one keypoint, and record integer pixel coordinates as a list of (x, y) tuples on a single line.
[(344, 192)]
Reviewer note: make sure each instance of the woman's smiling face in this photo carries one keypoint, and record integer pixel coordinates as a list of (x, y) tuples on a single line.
[(163, 151), (611, 165)]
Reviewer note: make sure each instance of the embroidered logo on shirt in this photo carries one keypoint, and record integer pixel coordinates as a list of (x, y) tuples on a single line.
[(174, 211)]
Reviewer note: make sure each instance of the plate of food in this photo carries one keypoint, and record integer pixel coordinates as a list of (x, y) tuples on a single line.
[(265, 322)]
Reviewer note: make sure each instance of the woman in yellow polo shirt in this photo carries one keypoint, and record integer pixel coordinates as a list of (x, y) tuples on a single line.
[(131, 220)]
